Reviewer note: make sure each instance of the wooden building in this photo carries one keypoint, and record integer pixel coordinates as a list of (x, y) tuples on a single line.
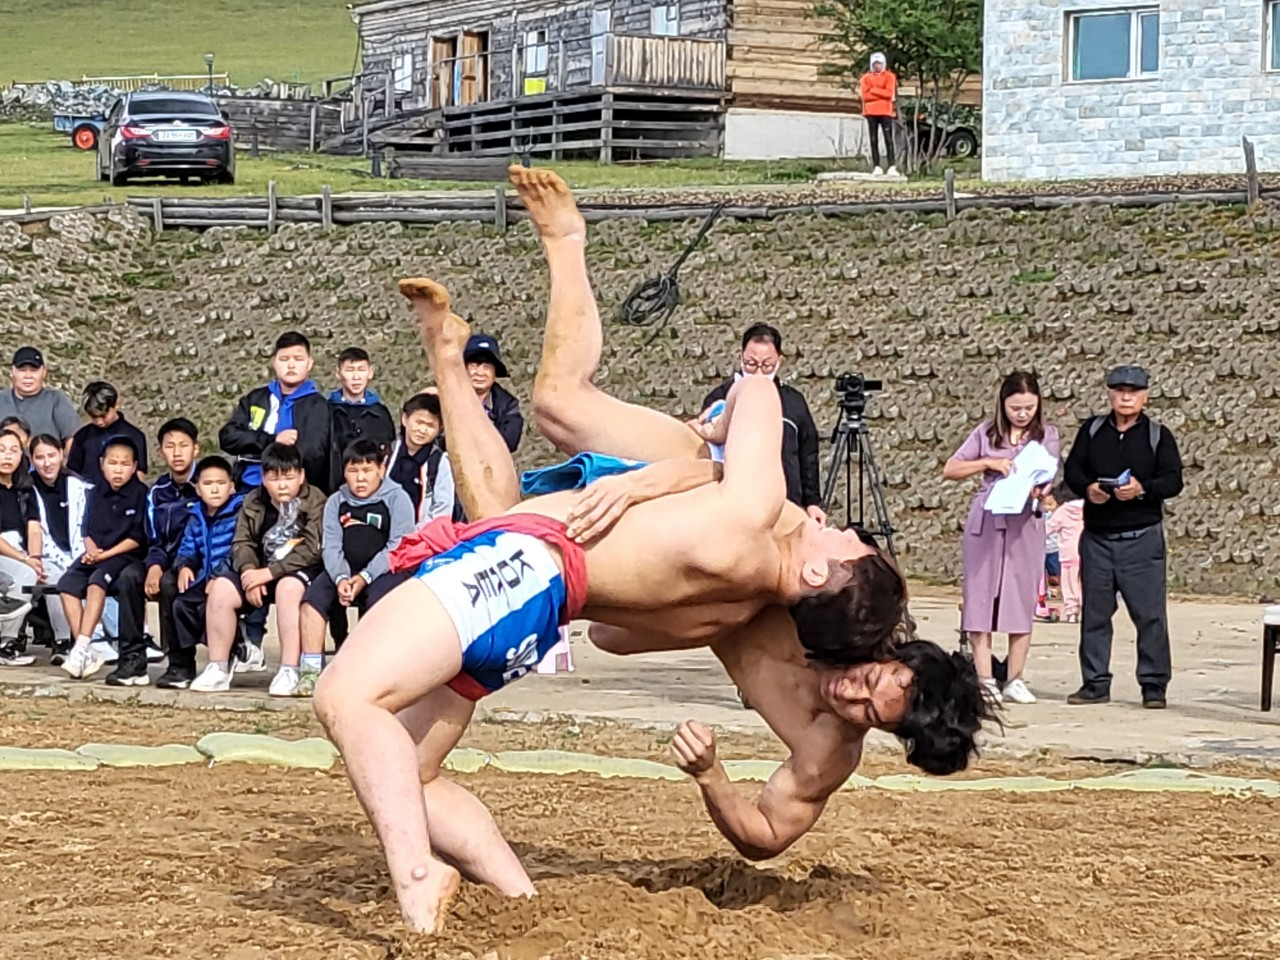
[(617, 79)]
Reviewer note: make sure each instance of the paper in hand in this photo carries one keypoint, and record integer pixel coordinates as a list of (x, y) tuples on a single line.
[(1034, 466)]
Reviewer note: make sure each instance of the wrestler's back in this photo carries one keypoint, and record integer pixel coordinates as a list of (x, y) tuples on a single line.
[(676, 553)]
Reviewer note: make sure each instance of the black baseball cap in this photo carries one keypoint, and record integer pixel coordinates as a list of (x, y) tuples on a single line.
[(1128, 375), (484, 348), (28, 357)]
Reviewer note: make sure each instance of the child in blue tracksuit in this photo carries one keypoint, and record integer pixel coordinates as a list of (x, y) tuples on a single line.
[(205, 551)]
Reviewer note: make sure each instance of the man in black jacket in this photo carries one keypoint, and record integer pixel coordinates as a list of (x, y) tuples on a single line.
[(289, 410), (484, 366), (762, 356), (358, 412), (1125, 466)]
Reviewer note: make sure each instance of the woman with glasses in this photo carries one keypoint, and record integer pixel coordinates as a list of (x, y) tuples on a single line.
[(761, 356)]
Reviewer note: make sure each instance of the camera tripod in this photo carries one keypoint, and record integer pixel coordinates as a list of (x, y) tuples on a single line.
[(852, 441)]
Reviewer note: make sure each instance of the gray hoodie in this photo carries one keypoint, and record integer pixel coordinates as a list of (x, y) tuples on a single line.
[(391, 497)]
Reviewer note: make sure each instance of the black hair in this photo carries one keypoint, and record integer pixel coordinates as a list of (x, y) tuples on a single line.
[(857, 623), (99, 397), (1020, 381), (178, 425), (21, 479), (291, 338), (212, 462), (760, 333), (364, 451), (281, 458), (947, 708), (121, 441), (354, 355), (429, 402), (18, 422), (45, 439), (1062, 493)]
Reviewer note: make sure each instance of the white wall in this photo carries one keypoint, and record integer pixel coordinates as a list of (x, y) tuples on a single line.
[(780, 134), (1210, 90)]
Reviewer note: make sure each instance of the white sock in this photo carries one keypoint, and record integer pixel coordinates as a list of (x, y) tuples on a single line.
[(313, 661), (224, 664)]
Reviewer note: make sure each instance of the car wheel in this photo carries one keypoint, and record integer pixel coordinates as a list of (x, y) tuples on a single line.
[(226, 177), (85, 137), (962, 144), (119, 179)]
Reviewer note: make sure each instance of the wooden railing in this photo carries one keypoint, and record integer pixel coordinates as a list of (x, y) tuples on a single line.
[(173, 81), (677, 62)]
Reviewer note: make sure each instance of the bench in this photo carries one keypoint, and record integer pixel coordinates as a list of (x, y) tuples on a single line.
[(409, 166), (1270, 647)]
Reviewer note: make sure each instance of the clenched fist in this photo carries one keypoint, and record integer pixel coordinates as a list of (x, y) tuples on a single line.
[(694, 749)]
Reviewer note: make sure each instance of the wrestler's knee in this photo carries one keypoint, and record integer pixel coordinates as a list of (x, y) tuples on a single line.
[(334, 694), (558, 406)]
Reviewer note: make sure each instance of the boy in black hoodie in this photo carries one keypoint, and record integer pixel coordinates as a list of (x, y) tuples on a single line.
[(358, 412), (289, 410)]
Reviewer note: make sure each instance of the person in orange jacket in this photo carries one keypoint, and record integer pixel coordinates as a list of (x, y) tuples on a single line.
[(879, 105)]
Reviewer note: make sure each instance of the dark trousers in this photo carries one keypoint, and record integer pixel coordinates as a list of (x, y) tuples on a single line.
[(168, 592), (1134, 565), (874, 127), (125, 579)]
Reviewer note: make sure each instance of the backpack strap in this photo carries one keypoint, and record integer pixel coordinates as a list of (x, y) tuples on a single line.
[(1095, 425), (1154, 430)]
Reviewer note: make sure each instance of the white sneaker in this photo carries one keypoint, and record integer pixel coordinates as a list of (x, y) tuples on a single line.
[(154, 653), (1015, 691), (92, 662), (105, 650), (214, 679), (284, 683), (877, 172), (991, 689), (255, 661), (74, 662), (893, 171)]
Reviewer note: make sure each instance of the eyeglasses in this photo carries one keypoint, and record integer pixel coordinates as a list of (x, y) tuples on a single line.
[(759, 366)]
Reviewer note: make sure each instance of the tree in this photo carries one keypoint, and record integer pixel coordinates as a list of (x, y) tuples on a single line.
[(933, 45)]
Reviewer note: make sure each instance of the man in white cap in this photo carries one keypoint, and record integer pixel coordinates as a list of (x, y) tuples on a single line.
[(879, 88)]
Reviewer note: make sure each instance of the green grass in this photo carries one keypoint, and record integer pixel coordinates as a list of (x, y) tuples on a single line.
[(299, 40), (41, 164)]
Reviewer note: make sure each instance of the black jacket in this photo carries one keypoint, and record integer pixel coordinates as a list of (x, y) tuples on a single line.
[(505, 414), (241, 437), (357, 421), (1106, 455), (799, 444)]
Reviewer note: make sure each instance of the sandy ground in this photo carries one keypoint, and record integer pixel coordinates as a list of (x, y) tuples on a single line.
[(243, 862), (240, 862)]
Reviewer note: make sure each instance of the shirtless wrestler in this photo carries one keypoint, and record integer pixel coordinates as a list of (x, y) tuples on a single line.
[(487, 602), (820, 698)]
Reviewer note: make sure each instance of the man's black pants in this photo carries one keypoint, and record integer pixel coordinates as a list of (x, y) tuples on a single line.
[(876, 126), (1132, 564)]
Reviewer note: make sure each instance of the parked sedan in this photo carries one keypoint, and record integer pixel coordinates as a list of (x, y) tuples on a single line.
[(162, 133)]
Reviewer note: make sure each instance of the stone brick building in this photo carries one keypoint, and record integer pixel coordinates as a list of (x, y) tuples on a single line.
[(1104, 88)]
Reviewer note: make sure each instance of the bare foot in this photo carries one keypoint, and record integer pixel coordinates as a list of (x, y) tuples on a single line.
[(425, 901), (550, 204), (442, 329)]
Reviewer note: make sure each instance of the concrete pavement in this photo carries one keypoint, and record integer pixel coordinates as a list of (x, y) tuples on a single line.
[(1213, 713)]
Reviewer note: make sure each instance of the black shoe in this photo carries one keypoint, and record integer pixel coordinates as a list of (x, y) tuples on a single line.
[(175, 678), (1089, 695), (12, 655), (129, 675), (1153, 699), (58, 652)]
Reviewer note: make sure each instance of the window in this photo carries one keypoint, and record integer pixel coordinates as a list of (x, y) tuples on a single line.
[(1115, 44), (535, 53), (665, 21), (1272, 34), (402, 72)]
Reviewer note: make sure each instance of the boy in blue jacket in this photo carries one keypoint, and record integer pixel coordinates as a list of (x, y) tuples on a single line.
[(205, 551)]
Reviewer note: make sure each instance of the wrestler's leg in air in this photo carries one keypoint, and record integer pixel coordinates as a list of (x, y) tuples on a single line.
[(570, 410)]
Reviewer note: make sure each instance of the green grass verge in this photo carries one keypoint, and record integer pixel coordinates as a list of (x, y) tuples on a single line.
[(301, 40), (41, 164)]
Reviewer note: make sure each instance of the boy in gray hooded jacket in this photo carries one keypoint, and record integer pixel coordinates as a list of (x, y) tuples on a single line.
[(362, 522)]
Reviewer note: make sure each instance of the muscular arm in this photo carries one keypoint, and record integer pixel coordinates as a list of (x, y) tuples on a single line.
[(598, 507), (753, 479)]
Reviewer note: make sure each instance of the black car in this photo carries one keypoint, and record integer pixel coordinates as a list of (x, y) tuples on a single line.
[(163, 133)]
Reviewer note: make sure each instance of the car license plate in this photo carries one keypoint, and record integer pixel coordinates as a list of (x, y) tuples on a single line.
[(176, 136)]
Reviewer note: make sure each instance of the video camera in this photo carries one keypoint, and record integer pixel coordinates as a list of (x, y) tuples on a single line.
[(852, 389)]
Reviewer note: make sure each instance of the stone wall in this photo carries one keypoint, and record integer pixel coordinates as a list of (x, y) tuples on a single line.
[(1210, 90), (184, 323)]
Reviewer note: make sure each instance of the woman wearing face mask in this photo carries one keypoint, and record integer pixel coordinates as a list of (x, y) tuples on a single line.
[(1003, 554), (20, 563), (59, 499)]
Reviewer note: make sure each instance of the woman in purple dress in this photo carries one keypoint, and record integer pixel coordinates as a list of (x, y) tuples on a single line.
[(1003, 554)]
